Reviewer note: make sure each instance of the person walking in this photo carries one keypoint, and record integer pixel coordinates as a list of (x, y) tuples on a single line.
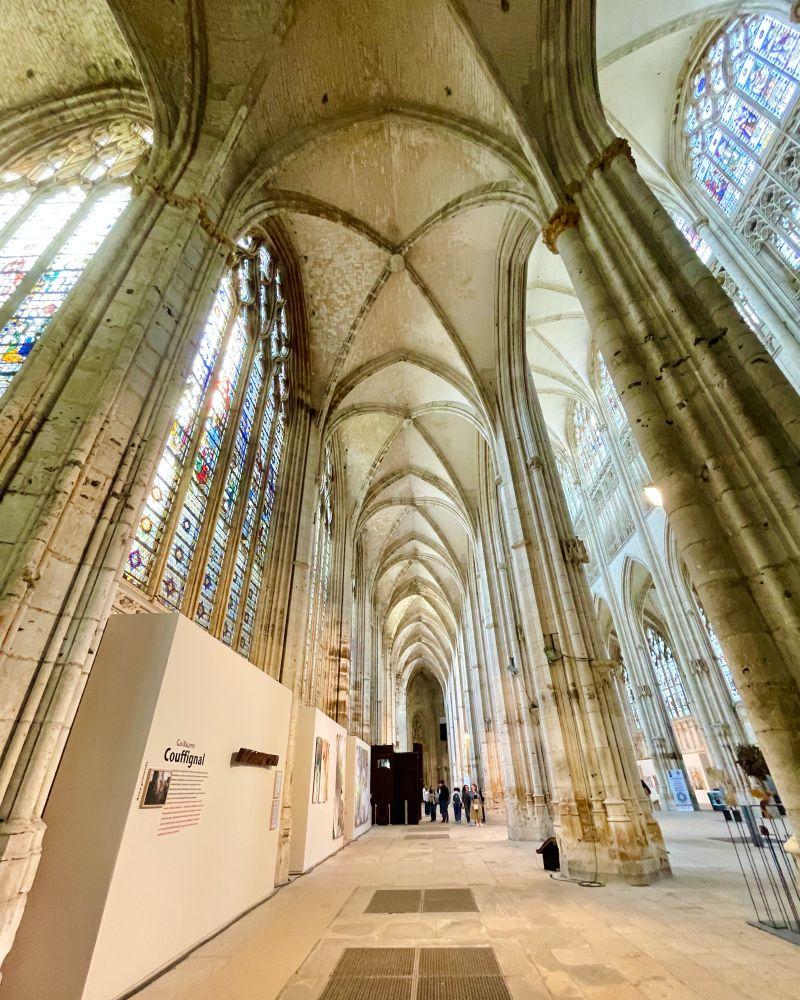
[(477, 810), (444, 801), (466, 800), (457, 805), (432, 800), (426, 799)]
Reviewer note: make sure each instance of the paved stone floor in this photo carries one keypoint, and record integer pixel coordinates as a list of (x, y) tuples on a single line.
[(686, 937)]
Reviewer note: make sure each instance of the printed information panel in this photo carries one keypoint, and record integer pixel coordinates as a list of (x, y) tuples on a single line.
[(181, 841)]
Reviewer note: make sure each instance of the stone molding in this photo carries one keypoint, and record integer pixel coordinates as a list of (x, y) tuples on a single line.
[(574, 550), (566, 216), (194, 202), (617, 147)]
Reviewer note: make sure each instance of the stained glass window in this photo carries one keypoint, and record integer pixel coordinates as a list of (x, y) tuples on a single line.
[(667, 674), (320, 573), (55, 211), (741, 130), (716, 648), (201, 542), (698, 244), (610, 397), (637, 721), (705, 253), (567, 477), (590, 448)]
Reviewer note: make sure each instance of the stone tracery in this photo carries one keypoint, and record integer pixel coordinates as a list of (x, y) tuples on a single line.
[(420, 525)]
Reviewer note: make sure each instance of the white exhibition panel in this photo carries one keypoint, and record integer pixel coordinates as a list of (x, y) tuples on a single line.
[(313, 833), (138, 868), (358, 806)]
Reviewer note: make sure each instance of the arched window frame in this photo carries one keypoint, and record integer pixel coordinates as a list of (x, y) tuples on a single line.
[(716, 649), (569, 484), (319, 585), (633, 704), (202, 541), (591, 452), (619, 425), (740, 123), (706, 254), (57, 207), (667, 673), (599, 480)]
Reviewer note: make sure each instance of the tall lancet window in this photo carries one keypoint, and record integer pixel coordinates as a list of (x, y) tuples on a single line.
[(590, 448), (741, 129), (567, 477), (56, 209), (612, 401), (201, 543), (637, 719), (668, 676), (716, 648), (319, 588)]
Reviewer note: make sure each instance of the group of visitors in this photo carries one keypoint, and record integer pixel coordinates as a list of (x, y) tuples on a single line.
[(466, 799)]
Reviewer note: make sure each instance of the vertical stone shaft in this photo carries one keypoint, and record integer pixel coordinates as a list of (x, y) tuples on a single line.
[(717, 424), (597, 782)]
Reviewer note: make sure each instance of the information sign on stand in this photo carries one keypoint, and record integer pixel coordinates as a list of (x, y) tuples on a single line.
[(680, 790)]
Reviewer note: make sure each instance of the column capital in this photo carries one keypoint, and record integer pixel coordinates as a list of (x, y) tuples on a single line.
[(617, 147), (574, 550), (195, 203), (566, 216), (612, 668)]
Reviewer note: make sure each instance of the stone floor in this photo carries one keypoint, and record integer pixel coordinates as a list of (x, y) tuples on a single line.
[(686, 937)]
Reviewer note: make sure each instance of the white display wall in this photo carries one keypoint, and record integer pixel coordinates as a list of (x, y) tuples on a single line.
[(155, 840), (318, 796), (358, 807)]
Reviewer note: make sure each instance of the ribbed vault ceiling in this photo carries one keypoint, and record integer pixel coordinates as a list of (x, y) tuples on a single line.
[(642, 50), (388, 153)]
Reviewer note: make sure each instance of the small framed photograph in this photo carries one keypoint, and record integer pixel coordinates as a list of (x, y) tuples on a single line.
[(156, 789)]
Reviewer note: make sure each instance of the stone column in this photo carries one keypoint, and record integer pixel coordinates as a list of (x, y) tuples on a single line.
[(717, 423), (487, 753), (784, 343), (82, 427), (706, 708), (635, 662), (510, 717), (602, 820)]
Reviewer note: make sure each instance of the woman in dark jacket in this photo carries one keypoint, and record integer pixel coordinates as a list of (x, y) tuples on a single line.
[(466, 802)]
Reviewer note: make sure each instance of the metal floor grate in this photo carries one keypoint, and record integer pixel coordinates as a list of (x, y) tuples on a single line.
[(449, 901), (395, 901), (368, 989), (397, 974), (422, 901), (460, 962), (369, 963), (475, 988)]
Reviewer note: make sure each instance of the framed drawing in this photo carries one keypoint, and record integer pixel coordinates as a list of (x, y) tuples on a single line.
[(319, 785), (362, 786), (338, 795)]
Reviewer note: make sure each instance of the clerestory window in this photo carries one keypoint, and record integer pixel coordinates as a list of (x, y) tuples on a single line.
[(741, 124), (201, 543), (55, 211)]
